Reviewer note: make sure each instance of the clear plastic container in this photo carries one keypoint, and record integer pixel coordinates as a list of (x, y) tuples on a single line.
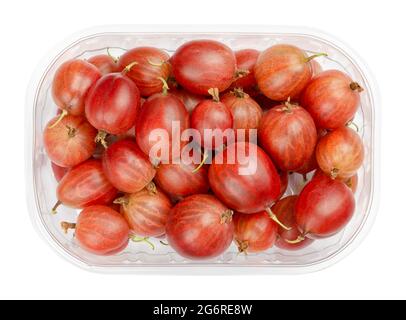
[(41, 184)]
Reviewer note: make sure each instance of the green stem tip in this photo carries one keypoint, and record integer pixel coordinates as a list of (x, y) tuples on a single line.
[(275, 218), (137, 239), (321, 54)]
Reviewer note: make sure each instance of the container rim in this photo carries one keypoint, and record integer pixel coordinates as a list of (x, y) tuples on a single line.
[(206, 269)]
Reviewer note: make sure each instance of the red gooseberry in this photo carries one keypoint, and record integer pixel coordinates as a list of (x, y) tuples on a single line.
[(146, 211), (148, 66), (112, 104), (324, 207), (100, 230), (71, 82), (332, 99), (340, 153), (85, 185), (127, 167), (105, 63), (255, 232), (246, 112), (283, 71), (246, 60), (200, 227), (213, 115), (244, 178), (288, 134), (284, 209), (181, 179), (200, 65), (69, 141), (161, 112)]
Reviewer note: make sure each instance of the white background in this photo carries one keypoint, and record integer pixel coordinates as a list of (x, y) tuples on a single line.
[(30, 269)]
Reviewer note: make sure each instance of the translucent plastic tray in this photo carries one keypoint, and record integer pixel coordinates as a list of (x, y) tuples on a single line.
[(41, 184)]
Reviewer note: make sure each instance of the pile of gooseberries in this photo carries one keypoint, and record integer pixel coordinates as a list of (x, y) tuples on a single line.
[(103, 151)]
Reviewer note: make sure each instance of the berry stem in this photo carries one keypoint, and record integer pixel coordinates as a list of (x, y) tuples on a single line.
[(214, 92), (71, 131), (356, 87), (115, 59), (321, 54), (129, 67), (227, 216), (63, 114), (275, 218), (288, 106), (55, 207), (241, 73), (298, 240), (155, 64), (201, 164), (137, 239), (66, 226), (121, 201), (334, 173), (242, 246), (239, 93), (101, 138), (165, 86), (151, 188)]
